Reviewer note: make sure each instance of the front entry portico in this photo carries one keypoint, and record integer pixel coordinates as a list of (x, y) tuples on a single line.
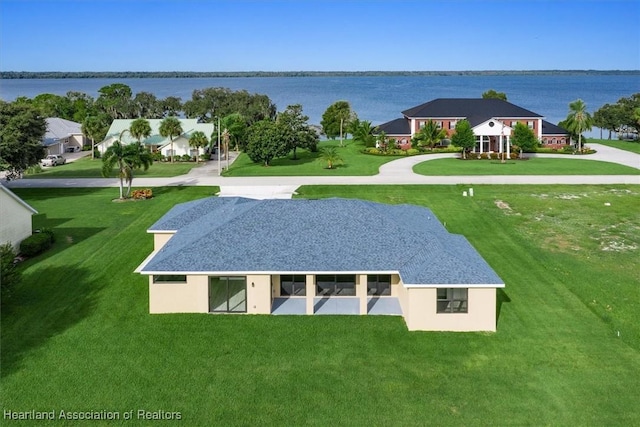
[(492, 136)]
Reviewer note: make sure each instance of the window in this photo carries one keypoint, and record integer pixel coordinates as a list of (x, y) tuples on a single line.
[(379, 284), (452, 124), (452, 300), (422, 124), (228, 294), (439, 124), (170, 153), (530, 124), (513, 123), (193, 152), (293, 285), (335, 285), (170, 278)]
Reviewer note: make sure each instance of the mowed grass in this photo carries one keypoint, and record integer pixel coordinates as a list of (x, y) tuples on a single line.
[(355, 163), (92, 168), (534, 166), (77, 334), (632, 146)]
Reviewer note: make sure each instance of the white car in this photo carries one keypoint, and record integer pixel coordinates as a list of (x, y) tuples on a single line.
[(53, 160)]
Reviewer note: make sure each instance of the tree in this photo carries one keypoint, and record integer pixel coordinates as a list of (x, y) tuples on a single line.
[(126, 158), (236, 125), (524, 138), (608, 117), (265, 142), (429, 135), (492, 94), (330, 156), (22, 129), (206, 104), (295, 130), (140, 129), (115, 100), (146, 105), (82, 106), (336, 119), (171, 106), (463, 137), (51, 105), (198, 140), (362, 132), (578, 120), (95, 128), (170, 128)]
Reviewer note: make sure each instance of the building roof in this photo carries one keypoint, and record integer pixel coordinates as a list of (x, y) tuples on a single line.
[(549, 128), (58, 129), (475, 110), (218, 235), (395, 127), (188, 127), (17, 199)]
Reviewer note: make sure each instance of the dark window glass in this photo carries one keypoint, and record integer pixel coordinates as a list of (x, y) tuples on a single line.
[(331, 284), (293, 285), (452, 300), (170, 278), (379, 284)]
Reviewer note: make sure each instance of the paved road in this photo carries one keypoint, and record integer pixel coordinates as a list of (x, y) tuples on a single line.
[(395, 172)]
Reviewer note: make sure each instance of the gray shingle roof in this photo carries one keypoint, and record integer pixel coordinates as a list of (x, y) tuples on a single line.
[(395, 127), (58, 129), (328, 235), (476, 108), (549, 128)]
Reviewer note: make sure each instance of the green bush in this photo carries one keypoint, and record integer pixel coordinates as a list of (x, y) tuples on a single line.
[(413, 151), (35, 244), (185, 158), (10, 275), (49, 232), (96, 153), (157, 156)]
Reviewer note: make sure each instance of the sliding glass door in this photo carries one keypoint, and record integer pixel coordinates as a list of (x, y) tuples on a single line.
[(228, 294)]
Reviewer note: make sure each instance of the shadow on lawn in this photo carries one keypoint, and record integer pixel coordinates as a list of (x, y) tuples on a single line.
[(48, 302), (501, 297)]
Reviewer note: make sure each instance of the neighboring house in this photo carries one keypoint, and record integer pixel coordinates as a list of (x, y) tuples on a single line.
[(155, 141), (492, 121), (329, 256), (15, 214), (63, 135)]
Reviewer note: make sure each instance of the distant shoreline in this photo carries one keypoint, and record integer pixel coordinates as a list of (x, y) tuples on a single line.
[(221, 74)]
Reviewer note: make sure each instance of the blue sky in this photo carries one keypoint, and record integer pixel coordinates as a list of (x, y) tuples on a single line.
[(306, 35)]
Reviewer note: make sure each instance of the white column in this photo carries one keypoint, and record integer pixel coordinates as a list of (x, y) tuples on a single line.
[(311, 293), (508, 146), (361, 292), (481, 142), (501, 142)]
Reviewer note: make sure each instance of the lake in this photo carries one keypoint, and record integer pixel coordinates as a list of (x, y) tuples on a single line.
[(378, 99)]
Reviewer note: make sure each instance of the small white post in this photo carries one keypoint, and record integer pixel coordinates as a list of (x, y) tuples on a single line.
[(464, 194), (470, 192)]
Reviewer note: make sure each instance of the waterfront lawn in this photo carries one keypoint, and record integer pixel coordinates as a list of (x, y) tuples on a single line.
[(633, 146), (92, 168), (533, 166), (77, 334), (355, 163)]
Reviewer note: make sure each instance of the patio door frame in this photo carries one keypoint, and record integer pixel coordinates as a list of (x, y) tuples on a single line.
[(227, 282)]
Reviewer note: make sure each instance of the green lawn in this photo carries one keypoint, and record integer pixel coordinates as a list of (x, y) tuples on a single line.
[(88, 168), (307, 164), (77, 334), (634, 147), (535, 166)]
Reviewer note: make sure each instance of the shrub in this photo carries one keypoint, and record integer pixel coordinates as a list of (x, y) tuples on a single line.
[(185, 158), (35, 244), (10, 275), (48, 232), (413, 151), (142, 194), (157, 156), (513, 156), (96, 153)]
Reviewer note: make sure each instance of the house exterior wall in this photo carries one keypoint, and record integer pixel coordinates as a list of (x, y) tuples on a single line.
[(259, 294), (190, 297), (180, 146), (448, 124), (160, 239), (15, 225), (555, 141), (422, 314)]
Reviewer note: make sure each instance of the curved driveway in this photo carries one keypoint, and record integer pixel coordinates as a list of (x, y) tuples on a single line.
[(394, 172)]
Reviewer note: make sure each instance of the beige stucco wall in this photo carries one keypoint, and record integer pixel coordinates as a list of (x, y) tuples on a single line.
[(15, 222), (160, 239), (422, 316), (259, 294), (190, 297)]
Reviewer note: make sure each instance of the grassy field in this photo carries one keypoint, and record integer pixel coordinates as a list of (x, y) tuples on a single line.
[(355, 163), (88, 168), (535, 166), (634, 147), (77, 334)]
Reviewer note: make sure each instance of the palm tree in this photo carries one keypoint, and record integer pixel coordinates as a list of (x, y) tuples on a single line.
[(170, 127), (93, 127), (362, 132), (136, 156), (115, 155), (127, 158), (140, 129), (226, 137), (198, 140), (429, 135), (579, 120), (330, 156)]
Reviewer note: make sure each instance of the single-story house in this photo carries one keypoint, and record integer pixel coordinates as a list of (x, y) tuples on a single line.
[(63, 135), (16, 224), (312, 257), (492, 121), (155, 141)]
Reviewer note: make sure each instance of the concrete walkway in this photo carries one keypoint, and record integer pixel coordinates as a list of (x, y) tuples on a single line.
[(397, 172)]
